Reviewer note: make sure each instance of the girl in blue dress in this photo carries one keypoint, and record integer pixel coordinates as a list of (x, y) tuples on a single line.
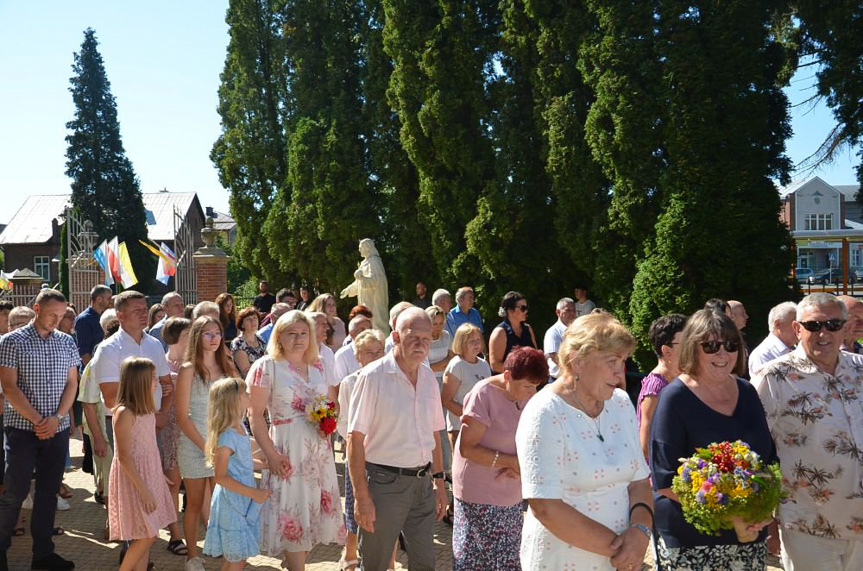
[(234, 529)]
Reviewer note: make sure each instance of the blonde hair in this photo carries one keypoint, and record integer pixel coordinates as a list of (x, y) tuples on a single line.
[(135, 392), (462, 336), (224, 413), (594, 332), (366, 337), (275, 349), (433, 311)]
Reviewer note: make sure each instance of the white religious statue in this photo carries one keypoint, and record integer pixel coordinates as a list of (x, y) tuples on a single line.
[(370, 286)]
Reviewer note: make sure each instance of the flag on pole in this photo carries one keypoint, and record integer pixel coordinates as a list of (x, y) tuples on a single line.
[(101, 255), (167, 264), (5, 282), (113, 260), (127, 273)]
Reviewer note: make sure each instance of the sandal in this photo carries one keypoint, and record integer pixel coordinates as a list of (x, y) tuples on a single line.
[(65, 492), (344, 564), (19, 531), (58, 531), (177, 547)]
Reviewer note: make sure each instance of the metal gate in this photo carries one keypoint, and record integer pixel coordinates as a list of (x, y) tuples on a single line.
[(186, 278), (84, 271)]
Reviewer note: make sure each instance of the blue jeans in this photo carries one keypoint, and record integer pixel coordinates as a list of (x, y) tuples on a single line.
[(25, 452)]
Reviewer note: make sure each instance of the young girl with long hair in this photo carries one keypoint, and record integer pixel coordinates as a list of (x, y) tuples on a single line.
[(234, 531), (139, 502), (206, 361)]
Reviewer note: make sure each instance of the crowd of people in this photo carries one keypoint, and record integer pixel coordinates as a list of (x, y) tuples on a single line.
[(536, 455)]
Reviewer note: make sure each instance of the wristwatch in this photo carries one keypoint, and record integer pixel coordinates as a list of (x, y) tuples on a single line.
[(59, 417), (438, 476)]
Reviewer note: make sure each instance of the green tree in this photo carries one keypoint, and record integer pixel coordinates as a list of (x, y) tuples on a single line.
[(725, 123), (251, 153), (105, 189)]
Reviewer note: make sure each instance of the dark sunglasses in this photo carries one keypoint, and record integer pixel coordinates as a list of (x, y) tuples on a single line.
[(815, 326), (711, 347), (522, 307)]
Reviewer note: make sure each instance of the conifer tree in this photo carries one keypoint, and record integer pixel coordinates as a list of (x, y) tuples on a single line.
[(105, 189)]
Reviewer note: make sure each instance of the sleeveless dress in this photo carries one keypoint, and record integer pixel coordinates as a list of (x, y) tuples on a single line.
[(190, 458), (513, 340), (304, 509), (234, 530), (127, 518), (169, 435)]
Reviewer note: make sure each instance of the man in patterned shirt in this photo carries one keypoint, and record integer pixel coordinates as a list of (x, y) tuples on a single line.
[(813, 398), (39, 374)]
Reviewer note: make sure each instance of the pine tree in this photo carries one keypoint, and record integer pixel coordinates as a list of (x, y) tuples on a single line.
[(105, 189)]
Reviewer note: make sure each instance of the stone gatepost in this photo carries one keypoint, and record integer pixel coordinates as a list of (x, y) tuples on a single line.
[(211, 265)]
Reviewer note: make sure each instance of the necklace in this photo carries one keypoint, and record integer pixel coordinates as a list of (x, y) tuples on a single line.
[(596, 421)]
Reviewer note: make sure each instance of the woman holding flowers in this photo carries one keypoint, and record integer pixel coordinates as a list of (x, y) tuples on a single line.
[(582, 469), (708, 403), (304, 507)]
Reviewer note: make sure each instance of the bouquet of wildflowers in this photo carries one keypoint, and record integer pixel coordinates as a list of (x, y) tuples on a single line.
[(727, 486), (322, 414)]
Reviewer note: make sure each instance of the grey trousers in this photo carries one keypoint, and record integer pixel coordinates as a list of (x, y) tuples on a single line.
[(402, 504)]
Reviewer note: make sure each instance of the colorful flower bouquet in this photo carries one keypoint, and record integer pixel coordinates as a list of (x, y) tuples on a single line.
[(726, 486), (322, 414)]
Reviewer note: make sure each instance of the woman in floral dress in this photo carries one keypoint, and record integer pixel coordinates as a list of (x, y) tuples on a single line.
[(304, 507)]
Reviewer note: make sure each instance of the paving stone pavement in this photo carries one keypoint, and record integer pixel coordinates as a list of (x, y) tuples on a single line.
[(83, 541)]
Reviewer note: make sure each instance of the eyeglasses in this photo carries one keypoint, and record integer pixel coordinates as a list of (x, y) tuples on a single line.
[(522, 307), (711, 347), (211, 335), (815, 326)]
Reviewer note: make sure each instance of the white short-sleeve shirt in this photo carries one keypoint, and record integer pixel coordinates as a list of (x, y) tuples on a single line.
[(119, 347)]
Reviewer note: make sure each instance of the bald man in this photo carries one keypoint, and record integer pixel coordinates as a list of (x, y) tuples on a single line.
[(394, 449), (854, 327)]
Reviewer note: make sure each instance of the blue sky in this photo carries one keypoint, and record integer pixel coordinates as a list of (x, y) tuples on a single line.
[(163, 60)]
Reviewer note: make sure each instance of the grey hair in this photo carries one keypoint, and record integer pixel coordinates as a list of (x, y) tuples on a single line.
[(820, 299), (204, 308), (107, 316), (396, 310), (563, 302), (354, 323), (462, 291), (438, 294), (279, 309), (781, 312), (366, 337), (169, 296)]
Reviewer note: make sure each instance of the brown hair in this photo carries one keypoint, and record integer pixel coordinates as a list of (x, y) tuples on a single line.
[(700, 327), (244, 315), (224, 316), (136, 386), (151, 315), (173, 328), (195, 350), (121, 299)]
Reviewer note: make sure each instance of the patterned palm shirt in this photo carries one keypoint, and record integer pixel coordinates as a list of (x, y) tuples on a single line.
[(816, 420)]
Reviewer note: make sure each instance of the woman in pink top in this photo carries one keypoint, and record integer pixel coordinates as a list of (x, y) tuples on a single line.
[(486, 477)]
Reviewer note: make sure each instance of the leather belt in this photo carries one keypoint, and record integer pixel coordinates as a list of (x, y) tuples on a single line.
[(413, 472)]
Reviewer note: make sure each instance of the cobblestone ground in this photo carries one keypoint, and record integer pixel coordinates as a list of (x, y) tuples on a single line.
[(83, 542)]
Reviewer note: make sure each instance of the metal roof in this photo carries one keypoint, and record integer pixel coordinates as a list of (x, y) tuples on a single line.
[(32, 223)]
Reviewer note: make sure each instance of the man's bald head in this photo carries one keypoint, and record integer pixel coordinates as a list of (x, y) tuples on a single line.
[(412, 318), (412, 338), (359, 324)]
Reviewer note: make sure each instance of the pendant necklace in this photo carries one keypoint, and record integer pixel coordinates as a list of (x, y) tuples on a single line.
[(596, 421)]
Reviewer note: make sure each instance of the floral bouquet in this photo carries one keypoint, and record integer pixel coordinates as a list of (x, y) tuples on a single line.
[(726, 486), (322, 414)]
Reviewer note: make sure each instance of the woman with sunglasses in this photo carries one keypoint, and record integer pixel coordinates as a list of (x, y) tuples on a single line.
[(512, 332), (707, 403)]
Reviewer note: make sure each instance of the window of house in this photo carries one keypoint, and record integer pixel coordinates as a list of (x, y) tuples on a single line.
[(806, 259), (42, 266), (857, 257), (819, 222)]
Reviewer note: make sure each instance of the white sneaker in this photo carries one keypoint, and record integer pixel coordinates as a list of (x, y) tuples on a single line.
[(27, 504), (63, 504), (195, 564)]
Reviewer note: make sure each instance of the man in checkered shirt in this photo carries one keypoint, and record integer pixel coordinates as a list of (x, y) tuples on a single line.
[(39, 374)]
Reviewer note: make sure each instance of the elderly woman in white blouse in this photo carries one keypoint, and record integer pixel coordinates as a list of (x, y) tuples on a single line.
[(582, 470)]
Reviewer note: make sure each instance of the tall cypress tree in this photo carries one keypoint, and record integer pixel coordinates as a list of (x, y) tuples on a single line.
[(104, 186), (251, 153)]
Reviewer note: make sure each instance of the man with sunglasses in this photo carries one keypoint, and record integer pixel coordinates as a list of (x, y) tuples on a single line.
[(812, 398)]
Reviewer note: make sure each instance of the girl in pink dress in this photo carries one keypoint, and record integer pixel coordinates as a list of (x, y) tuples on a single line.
[(139, 501)]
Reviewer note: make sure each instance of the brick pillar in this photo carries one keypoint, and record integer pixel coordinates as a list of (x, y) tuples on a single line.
[(211, 268)]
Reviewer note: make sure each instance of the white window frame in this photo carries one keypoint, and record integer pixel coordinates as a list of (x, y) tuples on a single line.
[(818, 222), (42, 266)]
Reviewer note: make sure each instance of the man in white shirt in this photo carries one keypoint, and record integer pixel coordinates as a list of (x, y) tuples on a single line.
[(346, 360), (129, 341), (328, 359), (781, 339), (394, 449), (565, 311)]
